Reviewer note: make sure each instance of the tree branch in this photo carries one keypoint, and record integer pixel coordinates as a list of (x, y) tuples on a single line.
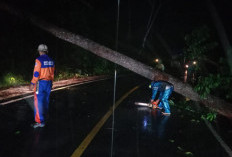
[(148, 72)]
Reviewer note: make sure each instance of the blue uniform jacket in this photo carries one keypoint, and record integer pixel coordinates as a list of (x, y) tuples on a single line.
[(159, 86)]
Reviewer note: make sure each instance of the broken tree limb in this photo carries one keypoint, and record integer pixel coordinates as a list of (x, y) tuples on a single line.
[(148, 72)]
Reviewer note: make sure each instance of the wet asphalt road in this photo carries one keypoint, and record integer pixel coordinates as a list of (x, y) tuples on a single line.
[(138, 131)]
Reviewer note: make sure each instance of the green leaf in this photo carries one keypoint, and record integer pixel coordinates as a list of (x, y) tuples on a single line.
[(188, 153), (172, 141), (17, 132), (181, 149), (193, 120)]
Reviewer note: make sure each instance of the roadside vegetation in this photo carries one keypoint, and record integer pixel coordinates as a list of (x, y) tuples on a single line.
[(206, 69), (11, 79), (99, 67)]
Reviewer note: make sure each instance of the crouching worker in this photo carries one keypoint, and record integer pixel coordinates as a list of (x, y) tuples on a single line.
[(41, 83), (165, 90)]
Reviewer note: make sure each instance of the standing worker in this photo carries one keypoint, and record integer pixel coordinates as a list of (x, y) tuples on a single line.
[(165, 90), (41, 83)]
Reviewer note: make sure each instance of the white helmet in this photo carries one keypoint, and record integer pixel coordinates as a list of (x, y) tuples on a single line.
[(43, 48)]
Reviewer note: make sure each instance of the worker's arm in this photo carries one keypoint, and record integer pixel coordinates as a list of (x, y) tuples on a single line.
[(154, 92), (36, 74)]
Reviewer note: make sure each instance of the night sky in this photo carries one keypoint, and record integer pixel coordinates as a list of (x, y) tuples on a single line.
[(97, 20)]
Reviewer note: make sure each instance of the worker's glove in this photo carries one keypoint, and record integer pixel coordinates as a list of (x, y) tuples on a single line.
[(155, 102), (149, 86)]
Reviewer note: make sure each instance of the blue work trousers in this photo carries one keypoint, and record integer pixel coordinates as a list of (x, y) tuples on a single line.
[(41, 100), (164, 99)]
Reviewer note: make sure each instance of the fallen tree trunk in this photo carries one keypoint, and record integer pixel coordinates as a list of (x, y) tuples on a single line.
[(148, 72)]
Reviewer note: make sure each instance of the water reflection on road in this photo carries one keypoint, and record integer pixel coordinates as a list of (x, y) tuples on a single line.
[(154, 122)]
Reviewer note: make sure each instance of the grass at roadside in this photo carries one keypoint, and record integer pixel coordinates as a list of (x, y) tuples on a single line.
[(12, 80)]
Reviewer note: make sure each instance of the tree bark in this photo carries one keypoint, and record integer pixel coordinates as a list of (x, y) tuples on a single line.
[(148, 72)]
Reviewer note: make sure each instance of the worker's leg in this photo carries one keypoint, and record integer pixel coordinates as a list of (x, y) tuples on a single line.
[(161, 104), (164, 100), (39, 100), (47, 98)]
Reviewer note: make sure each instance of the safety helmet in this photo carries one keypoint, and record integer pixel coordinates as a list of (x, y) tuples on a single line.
[(43, 48)]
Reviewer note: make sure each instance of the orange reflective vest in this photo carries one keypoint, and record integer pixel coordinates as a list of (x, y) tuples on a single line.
[(44, 69)]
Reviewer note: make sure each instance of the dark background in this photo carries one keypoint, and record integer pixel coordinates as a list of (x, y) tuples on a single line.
[(96, 20)]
